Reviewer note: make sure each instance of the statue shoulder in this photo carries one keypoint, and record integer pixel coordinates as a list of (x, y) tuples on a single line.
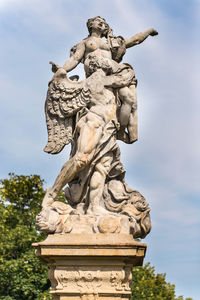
[(78, 47)]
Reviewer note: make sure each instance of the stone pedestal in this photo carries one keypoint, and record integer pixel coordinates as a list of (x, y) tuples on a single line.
[(90, 266)]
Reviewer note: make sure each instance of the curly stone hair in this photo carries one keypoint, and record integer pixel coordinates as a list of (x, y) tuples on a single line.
[(90, 23), (96, 62)]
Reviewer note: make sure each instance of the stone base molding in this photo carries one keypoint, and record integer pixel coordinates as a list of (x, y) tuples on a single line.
[(90, 266)]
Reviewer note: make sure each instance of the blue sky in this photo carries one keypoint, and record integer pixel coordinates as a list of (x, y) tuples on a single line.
[(164, 164)]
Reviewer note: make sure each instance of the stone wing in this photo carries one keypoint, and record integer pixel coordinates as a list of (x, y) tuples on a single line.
[(64, 99)]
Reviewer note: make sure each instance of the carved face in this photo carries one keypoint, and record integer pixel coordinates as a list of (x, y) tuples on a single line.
[(98, 24), (141, 205), (96, 62), (47, 220), (138, 201)]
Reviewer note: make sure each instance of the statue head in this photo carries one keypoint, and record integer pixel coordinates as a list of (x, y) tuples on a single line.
[(47, 220), (96, 62), (98, 23)]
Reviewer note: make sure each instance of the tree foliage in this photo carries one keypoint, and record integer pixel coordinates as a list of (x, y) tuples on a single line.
[(147, 284), (22, 275)]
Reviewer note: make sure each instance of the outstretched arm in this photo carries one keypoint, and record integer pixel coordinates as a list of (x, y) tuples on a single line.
[(73, 61), (140, 37)]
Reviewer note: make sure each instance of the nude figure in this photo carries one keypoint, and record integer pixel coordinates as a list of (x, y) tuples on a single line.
[(109, 83), (102, 43), (102, 109)]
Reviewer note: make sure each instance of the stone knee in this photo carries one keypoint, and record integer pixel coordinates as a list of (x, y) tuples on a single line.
[(127, 95), (81, 160), (103, 167), (96, 180)]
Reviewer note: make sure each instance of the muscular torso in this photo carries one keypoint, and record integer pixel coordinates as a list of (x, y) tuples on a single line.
[(107, 109), (97, 46), (103, 100)]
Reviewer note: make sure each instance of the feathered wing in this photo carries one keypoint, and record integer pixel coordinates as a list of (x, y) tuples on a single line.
[(64, 99)]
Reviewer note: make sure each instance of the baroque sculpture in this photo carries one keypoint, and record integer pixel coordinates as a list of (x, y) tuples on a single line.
[(91, 248), (92, 115)]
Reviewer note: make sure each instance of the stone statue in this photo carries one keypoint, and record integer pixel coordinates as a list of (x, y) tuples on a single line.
[(92, 115)]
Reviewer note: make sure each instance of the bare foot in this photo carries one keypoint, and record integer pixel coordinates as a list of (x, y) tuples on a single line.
[(48, 199)]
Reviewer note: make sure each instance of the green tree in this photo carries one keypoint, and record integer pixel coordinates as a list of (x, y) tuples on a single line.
[(22, 275), (147, 284)]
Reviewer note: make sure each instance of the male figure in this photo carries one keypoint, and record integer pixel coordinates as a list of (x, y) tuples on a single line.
[(90, 130)]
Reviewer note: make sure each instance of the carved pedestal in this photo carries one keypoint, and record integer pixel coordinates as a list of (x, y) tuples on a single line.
[(90, 266)]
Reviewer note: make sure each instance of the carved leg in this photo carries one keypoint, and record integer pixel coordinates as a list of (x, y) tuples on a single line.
[(133, 120), (90, 132), (128, 111), (126, 97), (97, 184), (66, 174)]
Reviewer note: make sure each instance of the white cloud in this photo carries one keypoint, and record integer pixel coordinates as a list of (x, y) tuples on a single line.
[(168, 111), (8, 4), (168, 106), (48, 12)]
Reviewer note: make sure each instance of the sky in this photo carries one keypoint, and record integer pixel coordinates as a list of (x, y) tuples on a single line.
[(164, 164)]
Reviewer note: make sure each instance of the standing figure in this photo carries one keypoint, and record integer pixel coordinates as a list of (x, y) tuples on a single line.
[(91, 115), (102, 43), (93, 104)]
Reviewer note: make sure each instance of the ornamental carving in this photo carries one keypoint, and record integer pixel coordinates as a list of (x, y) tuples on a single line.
[(88, 280), (121, 279)]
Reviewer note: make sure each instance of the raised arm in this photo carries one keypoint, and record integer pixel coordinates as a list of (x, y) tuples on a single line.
[(74, 59), (140, 37), (119, 81)]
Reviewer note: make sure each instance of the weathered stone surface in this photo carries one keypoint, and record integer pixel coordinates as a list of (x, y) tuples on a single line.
[(90, 266), (133, 218), (90, 247), (91, 115)]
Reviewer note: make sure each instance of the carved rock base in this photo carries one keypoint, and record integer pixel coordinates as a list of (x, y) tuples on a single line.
[(90, 266)]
